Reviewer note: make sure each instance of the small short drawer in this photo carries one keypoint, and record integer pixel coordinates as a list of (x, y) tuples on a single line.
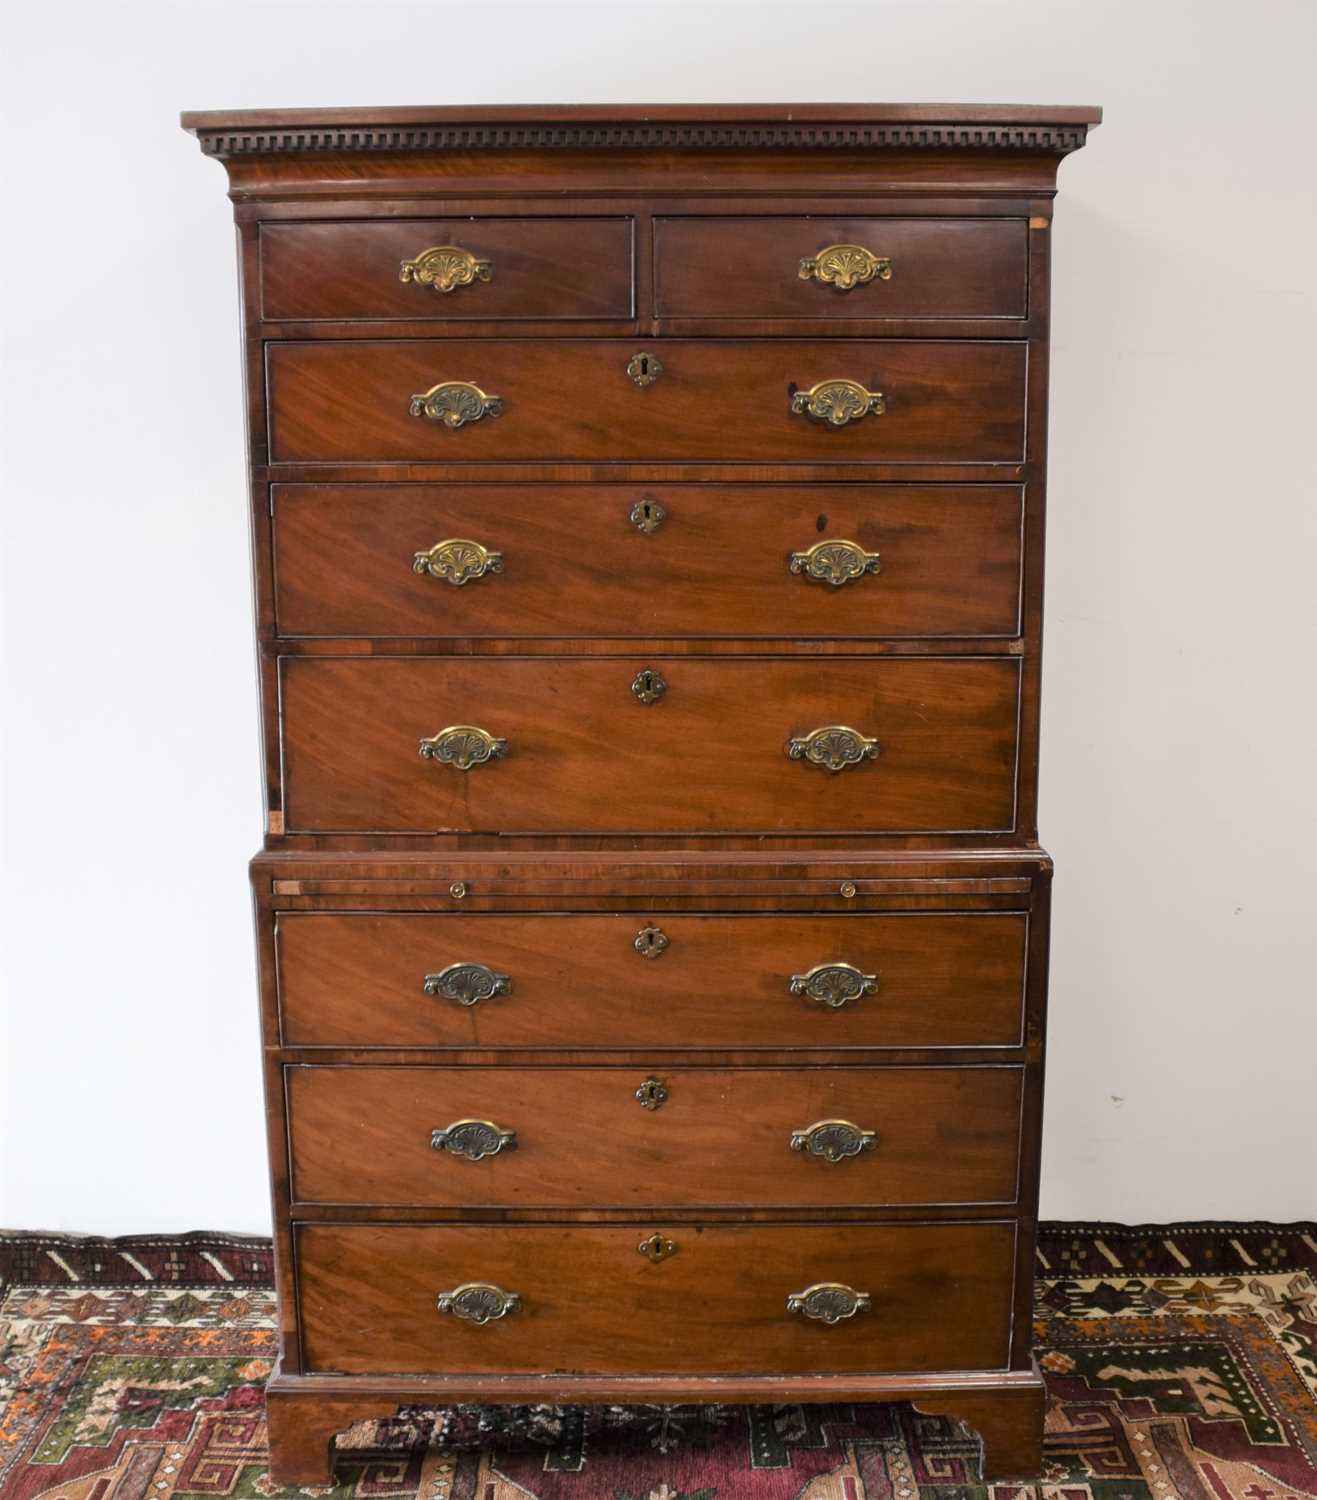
[(373, 979), (448, 270), (652, 1299), (680, 1137), (664, 561), (649, 745), (459, 400), (857, 269)]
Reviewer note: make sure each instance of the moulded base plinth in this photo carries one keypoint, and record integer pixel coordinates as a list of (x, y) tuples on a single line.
[(306, 1411)]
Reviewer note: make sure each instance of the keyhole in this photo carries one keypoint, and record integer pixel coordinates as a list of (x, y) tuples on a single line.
[(651, 942), (644, 368), (647, 516), (648, 685)]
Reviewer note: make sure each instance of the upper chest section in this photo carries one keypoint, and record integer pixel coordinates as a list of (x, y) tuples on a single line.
[(769, 218)]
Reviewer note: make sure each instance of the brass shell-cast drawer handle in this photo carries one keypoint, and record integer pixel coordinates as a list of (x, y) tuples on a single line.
[(445, 268), (828, 1302), (463, 746), (478, 1302), (457, 560), (845, 267), (833, 985), (835, 562), (455, 403), (834, 747), (467, 984), (473, 1140), (837, 402), (833, 1140)]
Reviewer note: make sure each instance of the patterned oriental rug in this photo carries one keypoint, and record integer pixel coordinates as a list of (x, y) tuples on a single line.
[(1181, 1364)]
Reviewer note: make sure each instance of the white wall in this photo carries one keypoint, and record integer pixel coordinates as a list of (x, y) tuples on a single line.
[(1179, 735)]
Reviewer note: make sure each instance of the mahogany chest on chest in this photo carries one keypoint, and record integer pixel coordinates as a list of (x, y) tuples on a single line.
[(647, 518)]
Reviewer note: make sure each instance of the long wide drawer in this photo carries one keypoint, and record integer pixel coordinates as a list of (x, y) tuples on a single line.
[(667, 561), (942, 401), (723, 1299), (374, 979), (851, 267), (567, 745), (447, 269), (589, 1137)]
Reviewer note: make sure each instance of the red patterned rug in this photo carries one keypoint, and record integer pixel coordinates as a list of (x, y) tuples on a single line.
[(1181, 1364)]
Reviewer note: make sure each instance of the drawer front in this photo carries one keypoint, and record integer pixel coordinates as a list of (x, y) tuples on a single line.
[(853, 268), (938, 1297), (944, 400), (585, 1137), (573, 749), (448, 270), (665, 561), (677, 981)]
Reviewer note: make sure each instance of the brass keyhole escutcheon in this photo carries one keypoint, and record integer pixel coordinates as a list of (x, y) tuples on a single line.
[(644, 368), (656, 1248), (652, 1094), (647, 516), (651, 942), (648, 685)]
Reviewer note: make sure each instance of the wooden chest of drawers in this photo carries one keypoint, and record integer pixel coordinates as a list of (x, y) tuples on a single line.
[(647, 514)]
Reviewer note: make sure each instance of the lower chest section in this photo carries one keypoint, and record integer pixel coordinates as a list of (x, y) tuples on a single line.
[(694, 1119)]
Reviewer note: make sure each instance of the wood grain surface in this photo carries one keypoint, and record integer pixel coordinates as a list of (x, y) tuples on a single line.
[(946, 401), (357, 980), (538, 268), (710, 756), (944, 1136), (749, 267), (590, 1303), (574, 564)]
